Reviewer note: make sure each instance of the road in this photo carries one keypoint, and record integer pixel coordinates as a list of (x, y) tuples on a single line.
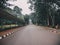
[(31, 35)]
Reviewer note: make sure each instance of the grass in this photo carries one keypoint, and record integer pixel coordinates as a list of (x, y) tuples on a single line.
[(8, 26)]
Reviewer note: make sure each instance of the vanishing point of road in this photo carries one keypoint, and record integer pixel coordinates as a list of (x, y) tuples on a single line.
[(31, 35)]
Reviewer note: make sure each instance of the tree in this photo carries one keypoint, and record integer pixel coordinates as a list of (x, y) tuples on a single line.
[(17, 9), (4, 4), (33, 18), (26, 18), (46, 11)]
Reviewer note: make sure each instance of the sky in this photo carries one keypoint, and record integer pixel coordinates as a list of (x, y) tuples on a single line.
[(22, 4)]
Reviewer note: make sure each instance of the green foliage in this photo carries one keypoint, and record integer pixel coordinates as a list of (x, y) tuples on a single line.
[(15, 18), (45, 11), (33, 17), (26, 18), (19, 15), (2, 3), (17, 9)]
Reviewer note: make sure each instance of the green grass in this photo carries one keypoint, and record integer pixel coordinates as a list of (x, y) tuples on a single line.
[(8, 26)]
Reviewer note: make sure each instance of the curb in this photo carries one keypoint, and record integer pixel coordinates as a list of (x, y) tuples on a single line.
[(1, 37), (54, 31)]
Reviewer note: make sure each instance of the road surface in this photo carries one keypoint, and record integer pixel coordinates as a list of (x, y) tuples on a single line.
[(31, 35)]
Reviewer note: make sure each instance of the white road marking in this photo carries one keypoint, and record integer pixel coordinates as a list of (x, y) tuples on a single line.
[(54, 31), (7, 34), (0, 37), (4, 35)]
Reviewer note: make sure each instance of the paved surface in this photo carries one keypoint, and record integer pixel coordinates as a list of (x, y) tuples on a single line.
[(8, 32), (31, 35)]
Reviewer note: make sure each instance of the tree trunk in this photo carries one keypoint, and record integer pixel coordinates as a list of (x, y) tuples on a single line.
[(47, 20), (53, 20)]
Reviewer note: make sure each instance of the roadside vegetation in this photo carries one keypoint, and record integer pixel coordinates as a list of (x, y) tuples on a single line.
[(46, 12), (11, 18)]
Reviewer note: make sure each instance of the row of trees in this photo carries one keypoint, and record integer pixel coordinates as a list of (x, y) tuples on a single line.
[(47, 12), (16, 11), (21, 16), (19, 19), (16, 18)]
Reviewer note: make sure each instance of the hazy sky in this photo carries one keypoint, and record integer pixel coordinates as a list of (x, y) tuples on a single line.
[(22, 4)]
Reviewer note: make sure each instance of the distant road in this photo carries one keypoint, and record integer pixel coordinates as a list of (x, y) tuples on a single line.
[(31, 35)]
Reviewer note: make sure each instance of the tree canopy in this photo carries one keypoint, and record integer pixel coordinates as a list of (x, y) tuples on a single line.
[(17, 9), (46, 11)]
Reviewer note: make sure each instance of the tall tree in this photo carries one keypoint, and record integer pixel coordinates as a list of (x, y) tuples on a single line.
[(17, 9), (26, 17), (45, 10)]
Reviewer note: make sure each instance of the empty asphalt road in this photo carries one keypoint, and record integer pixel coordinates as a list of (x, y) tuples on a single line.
[(31, 35)]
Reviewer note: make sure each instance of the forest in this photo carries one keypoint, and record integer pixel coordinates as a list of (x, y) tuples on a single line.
[(46, 12), (10, 18)]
